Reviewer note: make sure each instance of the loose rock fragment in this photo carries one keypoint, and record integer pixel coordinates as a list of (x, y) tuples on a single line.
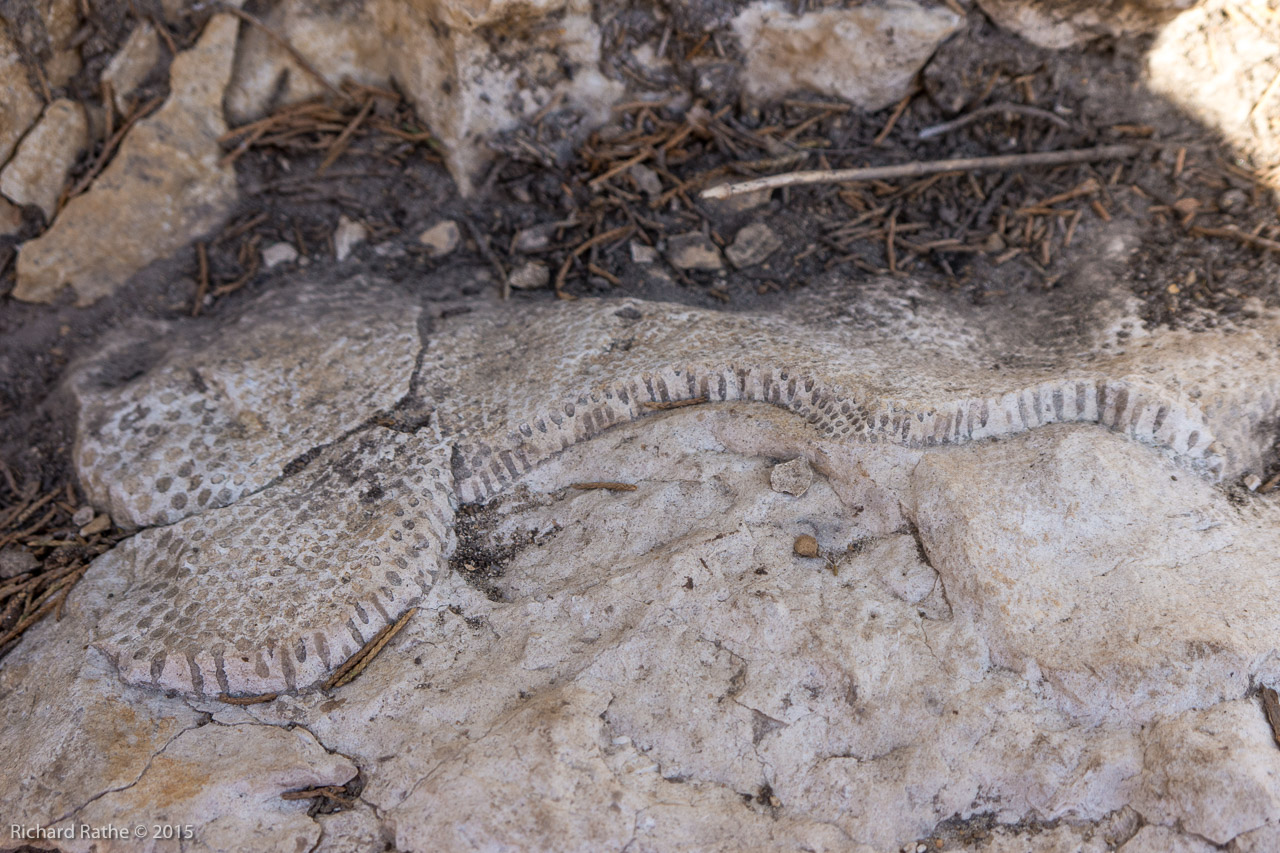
[(792, 478), (164, 186), (19, 104), (805, 546), (693, 251), (131, 65), (347, 236), (752, 245), (38, 171), (530, 276), (642, 254), (15, 561), (277, 254), (441, 238), (867, 54)]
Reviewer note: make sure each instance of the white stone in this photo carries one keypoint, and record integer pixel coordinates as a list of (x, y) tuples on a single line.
[(347, 236), (530, 276), (867, 54), (1046, 611), (442, 238), (1162, 839), (279, 253), (38, 171), (131, 64)]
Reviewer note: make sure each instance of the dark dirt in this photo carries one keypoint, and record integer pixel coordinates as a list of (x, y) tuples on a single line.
[(966, 233)]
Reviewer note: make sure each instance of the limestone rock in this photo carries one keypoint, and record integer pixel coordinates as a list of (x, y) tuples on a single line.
[(259, 762), (38, 171), (1162, 839), (1059, 24), (441, 238), (753, 244), (867, 54), (693, 251), (1035, 604), (131, 64), (1027, 580), (338, 39), (163, 187), (1205, 773), (19, 104), (1219, 66)]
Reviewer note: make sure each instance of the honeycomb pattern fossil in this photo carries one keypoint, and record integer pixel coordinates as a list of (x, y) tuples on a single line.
[(268, 579)]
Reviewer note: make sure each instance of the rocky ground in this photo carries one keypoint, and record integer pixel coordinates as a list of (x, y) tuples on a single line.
[(167, 166)]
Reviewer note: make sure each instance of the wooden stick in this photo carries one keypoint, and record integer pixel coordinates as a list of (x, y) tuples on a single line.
[(920, 168)]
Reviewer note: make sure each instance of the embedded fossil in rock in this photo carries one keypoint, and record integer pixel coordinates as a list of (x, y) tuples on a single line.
[(275, 590)]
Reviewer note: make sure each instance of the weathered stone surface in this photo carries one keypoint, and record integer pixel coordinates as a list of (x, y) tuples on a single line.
[(163, 187), (1056, 626), (38, 170), (211, 422), (10, 217), (131, 64), (255, 765), (1059, 24), (19, 104), (752, 245), (866, 54), (1220, 66)]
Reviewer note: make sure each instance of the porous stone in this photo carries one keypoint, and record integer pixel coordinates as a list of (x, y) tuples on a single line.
[(996, 631), (867, 54), (753, 244), (163, 187), (38, 171)]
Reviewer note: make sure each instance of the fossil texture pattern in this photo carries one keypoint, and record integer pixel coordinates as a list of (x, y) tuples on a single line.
[(288, 526)]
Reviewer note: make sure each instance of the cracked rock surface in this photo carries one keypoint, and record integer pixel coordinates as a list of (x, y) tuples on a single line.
[(1054, 618)]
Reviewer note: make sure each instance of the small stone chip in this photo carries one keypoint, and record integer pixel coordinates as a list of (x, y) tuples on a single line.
[(441, 238), (98, 525), (792, 478), (805, 546)]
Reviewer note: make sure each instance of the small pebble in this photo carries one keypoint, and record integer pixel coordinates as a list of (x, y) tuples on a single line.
[(791, 478), (530, 276), (277, 254), (693, 251), (1233, 201), (82, 516), (347, 236), (753, 244), (441, 238), (1252, 482), (98, 525), (806, 546), (642, 254)]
